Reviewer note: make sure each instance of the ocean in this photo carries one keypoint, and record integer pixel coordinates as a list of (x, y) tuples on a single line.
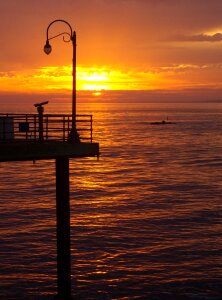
[(145, 216)]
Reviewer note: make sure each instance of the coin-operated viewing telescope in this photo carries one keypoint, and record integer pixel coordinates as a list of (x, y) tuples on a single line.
[(40, 110), (40, 107)]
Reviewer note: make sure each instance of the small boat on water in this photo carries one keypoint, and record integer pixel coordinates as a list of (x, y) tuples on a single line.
[(162, 123)]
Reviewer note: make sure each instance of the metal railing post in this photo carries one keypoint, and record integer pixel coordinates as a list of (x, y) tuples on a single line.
[(91, 137), (44, 126)]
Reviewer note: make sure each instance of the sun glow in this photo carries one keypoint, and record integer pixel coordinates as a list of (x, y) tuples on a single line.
[(97, 93), (94, 79), (58, 80)]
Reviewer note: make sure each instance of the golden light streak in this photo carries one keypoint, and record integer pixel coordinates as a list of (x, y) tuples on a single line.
[(97, 93), (59, 79)]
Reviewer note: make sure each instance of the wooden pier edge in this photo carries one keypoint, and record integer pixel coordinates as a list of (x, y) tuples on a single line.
[(24, 151)]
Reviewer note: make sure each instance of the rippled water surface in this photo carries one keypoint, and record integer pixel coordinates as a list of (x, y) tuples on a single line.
[(146, 216)]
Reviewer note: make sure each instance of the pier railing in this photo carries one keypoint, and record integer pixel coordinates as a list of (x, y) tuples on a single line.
[(56, 127)]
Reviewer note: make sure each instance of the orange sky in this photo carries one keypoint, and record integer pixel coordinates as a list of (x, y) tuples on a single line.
[(121, 45)]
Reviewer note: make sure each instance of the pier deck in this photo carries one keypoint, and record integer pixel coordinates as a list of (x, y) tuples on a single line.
[(36, 137), (32, 150)]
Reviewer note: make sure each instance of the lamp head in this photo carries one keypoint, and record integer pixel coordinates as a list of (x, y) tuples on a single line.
[(47, 47)]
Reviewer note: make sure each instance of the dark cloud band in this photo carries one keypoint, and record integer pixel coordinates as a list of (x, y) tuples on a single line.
[(217, 37)]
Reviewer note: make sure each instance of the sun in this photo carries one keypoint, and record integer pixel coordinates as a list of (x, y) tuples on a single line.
[(97, 93), (94, 87), (93, 80)]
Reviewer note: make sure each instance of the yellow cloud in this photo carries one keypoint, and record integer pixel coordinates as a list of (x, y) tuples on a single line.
[(59, 79)]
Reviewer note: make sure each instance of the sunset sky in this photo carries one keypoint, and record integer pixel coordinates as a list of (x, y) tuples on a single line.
[(121, 45)]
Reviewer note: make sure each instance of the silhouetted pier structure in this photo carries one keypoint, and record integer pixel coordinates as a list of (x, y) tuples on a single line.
[(25, 137)]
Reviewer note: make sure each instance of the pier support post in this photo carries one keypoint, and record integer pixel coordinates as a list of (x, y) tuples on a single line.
[(63, 229)]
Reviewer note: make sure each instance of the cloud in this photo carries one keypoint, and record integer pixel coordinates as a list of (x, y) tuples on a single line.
[(217, 37)]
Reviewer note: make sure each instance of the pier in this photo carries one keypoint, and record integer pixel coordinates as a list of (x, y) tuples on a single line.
[(38, 136), (31, 137)]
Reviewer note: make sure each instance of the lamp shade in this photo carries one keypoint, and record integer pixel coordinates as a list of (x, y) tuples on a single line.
[(47, 48)]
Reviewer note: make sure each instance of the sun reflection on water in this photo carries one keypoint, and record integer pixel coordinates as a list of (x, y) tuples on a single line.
[(145, 217)]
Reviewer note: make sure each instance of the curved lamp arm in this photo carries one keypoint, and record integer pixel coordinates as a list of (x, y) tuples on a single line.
[(47, 47)]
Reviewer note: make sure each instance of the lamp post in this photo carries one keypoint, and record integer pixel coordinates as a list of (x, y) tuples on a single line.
[(73, 134)]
